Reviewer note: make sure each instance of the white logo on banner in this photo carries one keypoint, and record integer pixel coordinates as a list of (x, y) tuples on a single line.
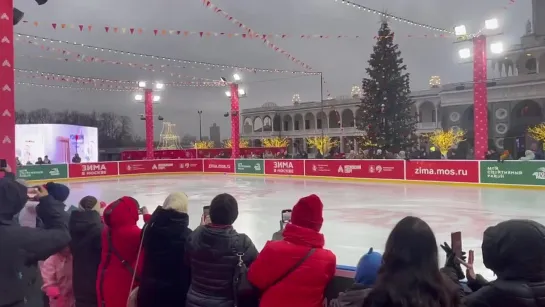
[(5, 40), (4, 17), (6, 64), (6, 88), (6, 140), (6, 113)]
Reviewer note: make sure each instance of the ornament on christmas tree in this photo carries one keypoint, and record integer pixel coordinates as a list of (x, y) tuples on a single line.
[(445, 140), (435, 81), (296, 99)]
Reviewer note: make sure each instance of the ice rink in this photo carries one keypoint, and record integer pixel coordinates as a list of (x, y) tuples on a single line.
[(357, 215)]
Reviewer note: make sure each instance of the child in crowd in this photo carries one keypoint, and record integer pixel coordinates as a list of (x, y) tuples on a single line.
[(57, 277)]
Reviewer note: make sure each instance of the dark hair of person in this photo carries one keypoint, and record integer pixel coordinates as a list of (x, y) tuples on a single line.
[(409, 275), (88, 203)]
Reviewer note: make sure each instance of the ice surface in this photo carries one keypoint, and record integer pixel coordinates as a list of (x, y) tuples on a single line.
[(357, 215)]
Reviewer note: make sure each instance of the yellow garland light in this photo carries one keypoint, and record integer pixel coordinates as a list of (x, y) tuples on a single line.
[(444, 140), (322, 143), (435, 81), (204, 144), (537, 132), (275, 142), (242, 143)]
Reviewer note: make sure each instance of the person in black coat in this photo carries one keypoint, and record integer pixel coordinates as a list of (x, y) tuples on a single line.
[(20, 246), (515, 251), (85, 229), (212, 254), (165, 274)]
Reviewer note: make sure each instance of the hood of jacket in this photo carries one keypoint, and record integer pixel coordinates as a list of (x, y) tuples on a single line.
[(303, 236), (122, 212), (167, 222), (515, 250), (81, 222), (13, 197)]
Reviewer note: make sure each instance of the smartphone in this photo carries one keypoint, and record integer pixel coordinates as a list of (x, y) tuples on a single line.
[(456, 243), (141, 211), (286, 215), (205, 215), (3, 163), (32, 193)]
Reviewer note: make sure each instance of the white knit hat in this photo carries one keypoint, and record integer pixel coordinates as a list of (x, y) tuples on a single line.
[(177, 201)]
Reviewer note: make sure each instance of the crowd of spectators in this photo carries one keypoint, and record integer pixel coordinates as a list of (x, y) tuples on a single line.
[(96, 255)]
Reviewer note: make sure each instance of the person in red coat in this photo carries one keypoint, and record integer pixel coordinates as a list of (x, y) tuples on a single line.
[(120, 245), (301, 254)]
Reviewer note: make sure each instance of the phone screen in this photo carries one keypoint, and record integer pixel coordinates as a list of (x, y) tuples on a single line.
[(456, 243), (32, 192), (206, 210), (3, 163), (286, 215)]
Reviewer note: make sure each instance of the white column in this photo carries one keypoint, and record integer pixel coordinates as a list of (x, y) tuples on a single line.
[(341, 141)]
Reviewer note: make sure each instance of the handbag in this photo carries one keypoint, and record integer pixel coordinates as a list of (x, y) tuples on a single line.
[(244, 293)]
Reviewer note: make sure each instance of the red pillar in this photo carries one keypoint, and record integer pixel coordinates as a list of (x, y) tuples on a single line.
[(148, 100), (7, 84), (235, 121), (480, 97)]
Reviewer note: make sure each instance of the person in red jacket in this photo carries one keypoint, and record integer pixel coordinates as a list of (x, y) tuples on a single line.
[(296, 270), (120, 246)]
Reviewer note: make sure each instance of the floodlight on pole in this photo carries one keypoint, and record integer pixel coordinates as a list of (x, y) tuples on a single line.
[(496, 48), (464, 53), (142, 84), (159, 86), (241, 92), (236, 77), (460, 30), (139, 97), (228, 93), (156, 98), (491, 24)]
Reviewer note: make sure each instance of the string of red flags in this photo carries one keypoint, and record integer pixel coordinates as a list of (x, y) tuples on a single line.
[(177, 63), (212, 34), (72, 87), (249, 31)]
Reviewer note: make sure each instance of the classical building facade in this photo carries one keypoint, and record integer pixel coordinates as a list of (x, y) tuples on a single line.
[(516, 101)]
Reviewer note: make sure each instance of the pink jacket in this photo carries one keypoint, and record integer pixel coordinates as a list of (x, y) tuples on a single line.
[(57, 277)]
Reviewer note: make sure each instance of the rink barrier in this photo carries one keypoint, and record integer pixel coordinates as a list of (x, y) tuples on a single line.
[(516, 174)]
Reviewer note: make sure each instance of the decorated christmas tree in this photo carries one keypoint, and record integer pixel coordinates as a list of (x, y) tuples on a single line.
[(385, 117)]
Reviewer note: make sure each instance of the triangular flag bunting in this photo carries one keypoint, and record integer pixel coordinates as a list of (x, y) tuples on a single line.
[(54, 25), (155, 32), (131, 30), (81, 28), (107, 29)]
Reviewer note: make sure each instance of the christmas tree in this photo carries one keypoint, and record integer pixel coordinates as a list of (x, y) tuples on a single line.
[(385, 111)]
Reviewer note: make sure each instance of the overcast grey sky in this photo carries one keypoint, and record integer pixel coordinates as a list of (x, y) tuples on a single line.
[(343, 61)]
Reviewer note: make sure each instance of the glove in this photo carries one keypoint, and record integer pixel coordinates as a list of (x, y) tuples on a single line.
[(452, 262), (52, 292)]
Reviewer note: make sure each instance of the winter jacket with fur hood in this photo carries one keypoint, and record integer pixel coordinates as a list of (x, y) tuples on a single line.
[(515, 251)]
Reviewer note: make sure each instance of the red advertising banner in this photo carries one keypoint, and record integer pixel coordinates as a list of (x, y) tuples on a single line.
[(219, 166), (285, 167), (7, 84), (443, 170), (93, 169), (371, 169), (160, 166)]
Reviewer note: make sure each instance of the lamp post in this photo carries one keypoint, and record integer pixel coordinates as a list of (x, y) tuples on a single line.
[(480, 91), (200, 124), (149, 98), (235, 93)]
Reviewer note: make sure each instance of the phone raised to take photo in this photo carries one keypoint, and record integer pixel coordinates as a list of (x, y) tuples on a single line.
[(286, 215), (456, 243), (32, 193)]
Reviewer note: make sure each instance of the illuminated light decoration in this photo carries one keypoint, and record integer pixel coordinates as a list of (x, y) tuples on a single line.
[(393, 17), (435, 81), (322, 143), (74, 88), (538, 133), (203, 144), (155, 57), (71, 78), (275, 142), (296, 99), (355, 92), (242, 143), (445, 140)]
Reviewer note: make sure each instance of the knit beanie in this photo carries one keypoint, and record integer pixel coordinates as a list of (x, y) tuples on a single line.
[(177, 201), (367, 269), (223, 209), (308, 213), (89, 203), (59, 191)]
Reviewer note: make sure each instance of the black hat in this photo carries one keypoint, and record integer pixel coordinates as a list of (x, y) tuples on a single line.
[(13, 197), (223, 209)]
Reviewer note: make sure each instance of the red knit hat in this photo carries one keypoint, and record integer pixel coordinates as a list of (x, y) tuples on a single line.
[(308, 213)]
